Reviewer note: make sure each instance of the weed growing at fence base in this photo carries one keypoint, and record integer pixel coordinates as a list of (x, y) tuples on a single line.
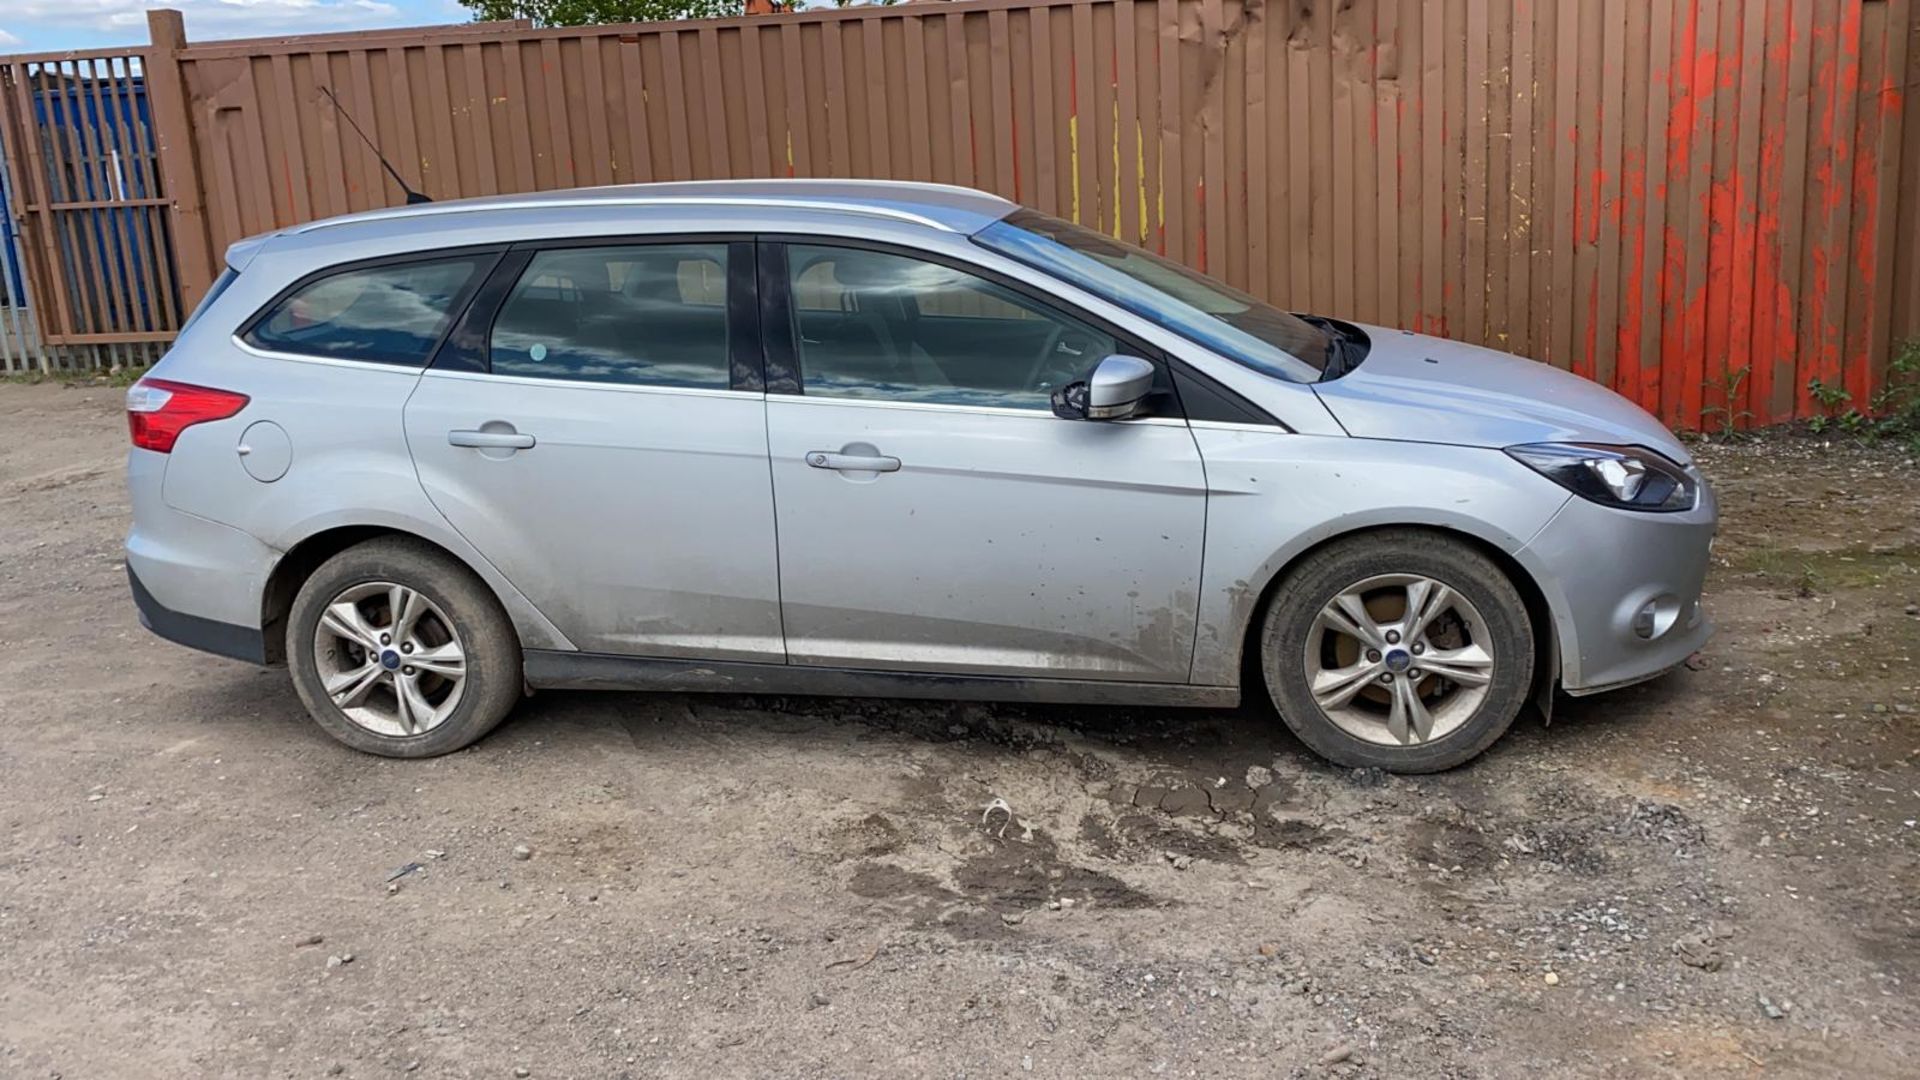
[(1893, 412)]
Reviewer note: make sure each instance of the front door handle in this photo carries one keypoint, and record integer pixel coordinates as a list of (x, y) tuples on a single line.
[(827, 459), (490, 440)]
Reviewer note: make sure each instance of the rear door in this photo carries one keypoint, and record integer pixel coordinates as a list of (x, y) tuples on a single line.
[(934, 515), (596, 428)]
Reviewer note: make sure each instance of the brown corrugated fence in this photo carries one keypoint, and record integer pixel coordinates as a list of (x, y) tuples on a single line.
[(1701, 203)]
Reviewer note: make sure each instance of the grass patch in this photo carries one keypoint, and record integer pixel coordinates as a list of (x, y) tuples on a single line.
[(121, 377), (1809, 572)]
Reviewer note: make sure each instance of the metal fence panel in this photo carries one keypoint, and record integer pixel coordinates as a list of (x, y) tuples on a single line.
[(93, 218), (1701, 203)]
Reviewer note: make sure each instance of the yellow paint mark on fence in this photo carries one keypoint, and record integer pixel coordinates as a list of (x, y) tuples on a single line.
[(1073, 161)]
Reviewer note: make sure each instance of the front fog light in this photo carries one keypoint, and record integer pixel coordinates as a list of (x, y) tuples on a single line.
[(1643, 621), (1656, 616)]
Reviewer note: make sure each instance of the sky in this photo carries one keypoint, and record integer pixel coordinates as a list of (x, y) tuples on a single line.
[(48, 25)]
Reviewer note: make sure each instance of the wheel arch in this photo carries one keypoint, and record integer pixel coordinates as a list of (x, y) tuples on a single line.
[(1540, 616), (325, 539)]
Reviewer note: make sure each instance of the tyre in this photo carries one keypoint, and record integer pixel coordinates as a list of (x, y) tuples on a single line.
[(1403, 650), (399, 650)]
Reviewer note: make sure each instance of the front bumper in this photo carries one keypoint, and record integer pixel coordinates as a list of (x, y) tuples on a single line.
[(1599, 567)]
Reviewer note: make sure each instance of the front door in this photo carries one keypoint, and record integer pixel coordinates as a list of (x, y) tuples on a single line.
[(599, 450), (935, 516)]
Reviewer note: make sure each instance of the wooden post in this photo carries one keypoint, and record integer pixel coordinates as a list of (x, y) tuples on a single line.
[(172, 120)]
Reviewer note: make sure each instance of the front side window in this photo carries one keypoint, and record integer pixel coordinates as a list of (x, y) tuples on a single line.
[(643, 315), (870, 324), (393, 313)]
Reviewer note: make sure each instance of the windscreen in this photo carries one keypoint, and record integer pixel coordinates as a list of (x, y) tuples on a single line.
[(1190, 304)]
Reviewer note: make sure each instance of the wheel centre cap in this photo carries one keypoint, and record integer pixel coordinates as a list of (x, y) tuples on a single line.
[(390, 660), (1399, 660)]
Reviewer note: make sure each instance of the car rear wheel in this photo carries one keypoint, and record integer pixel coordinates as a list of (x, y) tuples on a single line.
[(1402, 650), (399, 650)]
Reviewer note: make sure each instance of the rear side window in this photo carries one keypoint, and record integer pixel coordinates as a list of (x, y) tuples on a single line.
[(641, 315), (393, 313)]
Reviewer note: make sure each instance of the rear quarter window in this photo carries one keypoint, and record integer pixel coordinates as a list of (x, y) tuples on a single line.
[(389, 313), (226, 278)]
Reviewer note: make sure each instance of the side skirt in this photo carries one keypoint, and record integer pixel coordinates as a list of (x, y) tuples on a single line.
[(554, 670)]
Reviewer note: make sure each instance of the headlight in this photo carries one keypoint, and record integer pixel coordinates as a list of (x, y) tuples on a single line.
[(1629, 477)]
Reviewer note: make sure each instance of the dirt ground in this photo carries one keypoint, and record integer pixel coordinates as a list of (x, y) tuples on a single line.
[(1716, 874)]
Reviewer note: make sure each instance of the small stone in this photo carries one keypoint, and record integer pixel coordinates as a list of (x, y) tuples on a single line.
[(1013, 918), (1552, 978), (412, 1065), (96, 796), (1425, 957), (336, 1069), (522, 1071), (1180, 862), (522, 852), (1336, 1055), (1269, 949), (310, 939), (1259, 776), (817, 1000), (1066, 903), (1770, 1010), (1913, 609), (334, 961)]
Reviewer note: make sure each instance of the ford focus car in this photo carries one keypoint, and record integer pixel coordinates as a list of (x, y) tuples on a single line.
[(871, 438)]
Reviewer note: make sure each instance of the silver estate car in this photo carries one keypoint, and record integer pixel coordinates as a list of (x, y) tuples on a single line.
[(874, 438)]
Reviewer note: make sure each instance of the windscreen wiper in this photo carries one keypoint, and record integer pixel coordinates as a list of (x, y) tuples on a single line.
[(1340, 356)]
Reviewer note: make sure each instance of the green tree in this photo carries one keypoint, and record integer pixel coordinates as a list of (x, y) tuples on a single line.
[(585, 12)]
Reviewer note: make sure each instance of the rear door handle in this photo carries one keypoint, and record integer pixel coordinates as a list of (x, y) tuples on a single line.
[(827, 459), (491, 440)]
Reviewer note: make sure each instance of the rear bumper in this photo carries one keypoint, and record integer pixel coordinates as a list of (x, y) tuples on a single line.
[(195, 581), (222, 639), (1600, 566)]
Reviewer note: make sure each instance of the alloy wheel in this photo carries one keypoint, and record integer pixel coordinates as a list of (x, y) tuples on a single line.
[(1399, 659), (389, 659)]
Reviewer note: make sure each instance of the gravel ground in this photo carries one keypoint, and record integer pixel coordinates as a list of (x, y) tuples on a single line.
[(1715, 874)]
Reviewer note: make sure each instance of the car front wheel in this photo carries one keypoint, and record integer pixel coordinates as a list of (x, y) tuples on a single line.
[(1404, 650), (399, 650)]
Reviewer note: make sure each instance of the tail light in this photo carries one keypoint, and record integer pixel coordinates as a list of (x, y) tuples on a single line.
[(158, 410)]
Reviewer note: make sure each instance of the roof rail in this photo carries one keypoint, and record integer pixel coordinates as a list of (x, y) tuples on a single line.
[(563, 202)]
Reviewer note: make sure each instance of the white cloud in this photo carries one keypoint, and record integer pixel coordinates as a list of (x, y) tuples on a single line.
[(9, 39), (206, 18)]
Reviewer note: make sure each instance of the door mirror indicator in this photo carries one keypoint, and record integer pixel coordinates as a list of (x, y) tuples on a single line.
[(1113, 391)]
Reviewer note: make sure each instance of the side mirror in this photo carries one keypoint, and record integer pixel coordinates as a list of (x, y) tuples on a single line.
[(1115, 389)]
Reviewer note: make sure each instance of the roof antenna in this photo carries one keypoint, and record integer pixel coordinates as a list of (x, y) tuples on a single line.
[(414, 198)]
